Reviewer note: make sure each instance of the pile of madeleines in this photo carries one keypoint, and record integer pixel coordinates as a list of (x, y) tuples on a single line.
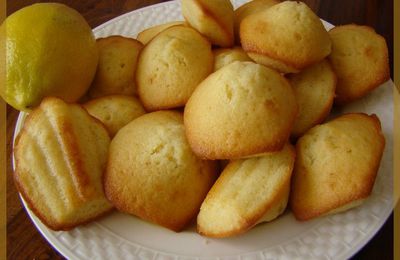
[(219, 118)]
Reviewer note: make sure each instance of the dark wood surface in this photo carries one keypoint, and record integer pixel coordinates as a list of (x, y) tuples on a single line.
[(25, 242)]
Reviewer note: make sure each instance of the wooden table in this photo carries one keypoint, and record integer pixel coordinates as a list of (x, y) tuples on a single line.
[(25, 242)]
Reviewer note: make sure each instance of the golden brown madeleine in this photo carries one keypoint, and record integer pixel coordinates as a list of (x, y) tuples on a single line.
[(212, 18), (171, 66), (153, 174), (60, 155), (247, 9), (315, 90), (360, 59), (117, 65), (249, 191), (115, 111), (287, 37), (240, 110), (336, 165), (225, 56), (148, 34)]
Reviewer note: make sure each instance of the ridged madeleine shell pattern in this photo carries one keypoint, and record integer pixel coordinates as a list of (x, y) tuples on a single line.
[(119, 236), (61, 154)]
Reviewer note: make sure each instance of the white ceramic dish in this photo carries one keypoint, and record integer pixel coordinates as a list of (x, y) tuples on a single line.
[(119, 236)]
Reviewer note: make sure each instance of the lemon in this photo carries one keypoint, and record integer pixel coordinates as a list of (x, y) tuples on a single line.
[(50, 51)]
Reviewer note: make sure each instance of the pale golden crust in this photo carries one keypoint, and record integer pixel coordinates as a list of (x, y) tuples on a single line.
[(115, 111), (171, 66), (247, 190), (314, 88), (240, 110), (225, 56), (57, 171), (54, 225), (117, 65), (247, 9), (288, 32), (336, 165), (148, 34), (272, 63), (212, 18), (153, 174), (360, 59)]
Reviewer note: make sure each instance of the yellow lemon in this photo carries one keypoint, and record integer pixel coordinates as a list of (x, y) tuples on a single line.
[(50, 51)]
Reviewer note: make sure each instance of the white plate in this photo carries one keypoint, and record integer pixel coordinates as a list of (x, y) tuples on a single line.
[(120, 236)]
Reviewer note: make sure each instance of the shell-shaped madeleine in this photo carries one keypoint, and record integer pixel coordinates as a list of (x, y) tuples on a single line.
[(60, 157)]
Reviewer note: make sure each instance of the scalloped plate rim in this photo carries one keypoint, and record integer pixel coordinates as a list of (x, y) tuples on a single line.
[(68, 253)]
